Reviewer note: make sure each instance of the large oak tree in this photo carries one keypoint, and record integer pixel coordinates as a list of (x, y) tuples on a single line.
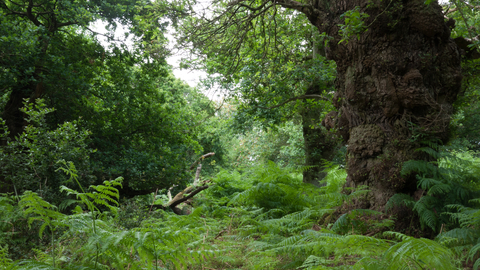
[(398, 74)]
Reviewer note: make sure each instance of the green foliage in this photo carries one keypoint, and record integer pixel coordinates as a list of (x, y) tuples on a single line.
[(153, 243), (324, 249), (352, 220), (400, 199), (228, 183), (91, 241), (335, 178), (38, 209), (33, 167), (5, 261), (465, 124), (147, 126), (464, 240), (354, 24), (450, 188), (274, 188), (101, 195), (273, 71), (15, 232), (245, 233), (451, 179), (466, 14), (145, 133), (139, 123), (419, 254), (131, 212), (283, 145), (8, 216), (289, 235)]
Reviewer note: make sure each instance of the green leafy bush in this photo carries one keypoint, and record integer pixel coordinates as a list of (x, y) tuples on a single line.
[(29, 161)]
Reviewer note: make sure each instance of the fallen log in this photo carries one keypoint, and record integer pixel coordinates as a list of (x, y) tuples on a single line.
[(191, 190)]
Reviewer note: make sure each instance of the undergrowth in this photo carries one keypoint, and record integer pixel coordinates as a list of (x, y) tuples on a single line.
[(262, 218)]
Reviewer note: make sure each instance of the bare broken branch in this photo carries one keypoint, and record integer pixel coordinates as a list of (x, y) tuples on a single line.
[(200, 159)]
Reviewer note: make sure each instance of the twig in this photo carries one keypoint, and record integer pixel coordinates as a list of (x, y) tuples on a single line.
[(169, 193), (220, 233), (206, 235), (197, 174)]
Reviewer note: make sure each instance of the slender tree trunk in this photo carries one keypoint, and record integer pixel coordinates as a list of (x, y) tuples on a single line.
[(395, 87), (14, 118), (319, 143), (11, 113)]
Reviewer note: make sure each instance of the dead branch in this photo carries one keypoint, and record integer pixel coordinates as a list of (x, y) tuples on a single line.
[(200, 159), (197, 174), (191, 191), (180, 197)]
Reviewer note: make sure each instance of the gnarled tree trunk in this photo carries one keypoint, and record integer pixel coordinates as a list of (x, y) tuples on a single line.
[(395, 87)]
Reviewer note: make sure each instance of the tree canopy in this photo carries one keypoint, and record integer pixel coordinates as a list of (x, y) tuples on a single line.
[(124, 94)]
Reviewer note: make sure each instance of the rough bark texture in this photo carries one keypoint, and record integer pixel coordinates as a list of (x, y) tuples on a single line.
[(395, 86)]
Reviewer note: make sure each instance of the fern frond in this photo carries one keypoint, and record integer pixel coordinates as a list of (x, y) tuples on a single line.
[(426, 183), (370, 264), (476, 265), (358, 192), (66, 203), (398, 200), (335, 179), (396, 235), (427, 216), (334, 199), (475, 201), (5, 261), (290, 241), (431, 151), (466, 216), (314, 262), (344, 222), (362, 245), (305, 168), (41, 210), (474, 251), (459, 237), (420, 166), (32, 265), (423, 252)]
